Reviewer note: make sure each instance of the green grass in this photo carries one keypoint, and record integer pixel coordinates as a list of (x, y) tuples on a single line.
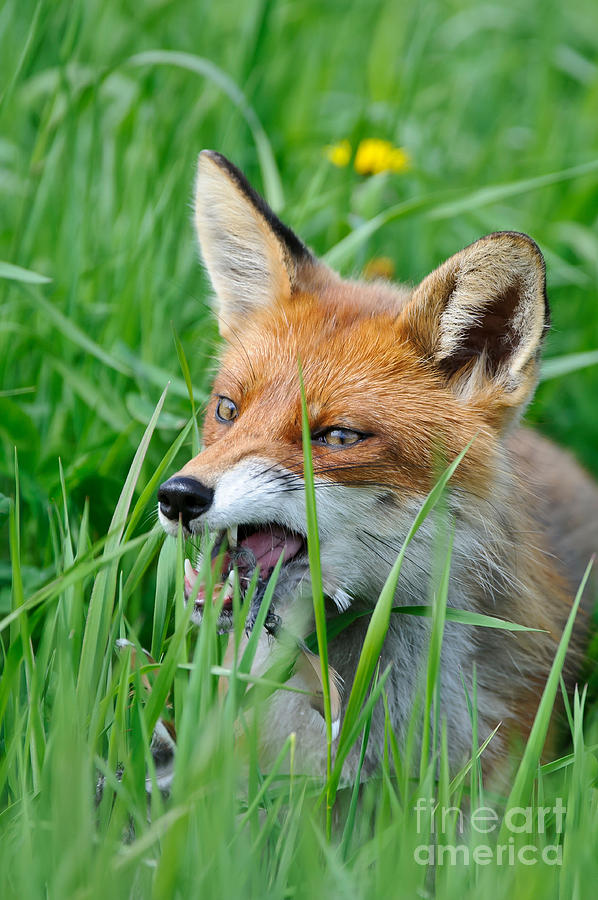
[(103, 109)]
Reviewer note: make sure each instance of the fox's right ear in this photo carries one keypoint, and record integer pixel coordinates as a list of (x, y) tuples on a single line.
[(252, 258)]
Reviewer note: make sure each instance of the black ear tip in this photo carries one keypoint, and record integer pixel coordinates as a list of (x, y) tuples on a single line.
[(225, 165), (216, 157)]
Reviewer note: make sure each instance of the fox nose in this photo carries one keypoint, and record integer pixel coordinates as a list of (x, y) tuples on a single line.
[(184, 498)]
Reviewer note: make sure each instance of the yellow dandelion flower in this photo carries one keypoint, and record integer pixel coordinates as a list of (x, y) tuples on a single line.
[(371, 156), (375, 155), (339, 154)]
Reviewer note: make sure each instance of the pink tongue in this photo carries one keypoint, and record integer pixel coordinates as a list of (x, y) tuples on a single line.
[(268, 546)]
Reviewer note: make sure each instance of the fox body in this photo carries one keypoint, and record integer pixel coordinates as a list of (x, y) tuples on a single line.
[(395, 379)]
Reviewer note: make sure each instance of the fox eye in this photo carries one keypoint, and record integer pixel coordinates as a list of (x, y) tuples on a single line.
[(226, 410), (340, 437)]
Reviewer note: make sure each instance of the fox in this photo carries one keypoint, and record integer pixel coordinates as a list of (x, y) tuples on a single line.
[(393, 375)]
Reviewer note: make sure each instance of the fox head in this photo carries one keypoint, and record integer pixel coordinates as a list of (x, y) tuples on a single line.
[(393, 377)]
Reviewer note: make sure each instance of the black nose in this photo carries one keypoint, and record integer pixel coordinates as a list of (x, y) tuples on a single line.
[(184, 498)]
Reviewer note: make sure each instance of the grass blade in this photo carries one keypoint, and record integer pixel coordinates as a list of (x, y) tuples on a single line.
[(432, 695), (461, 616), (313, 549), (17, 273), (345, 249), (569, 362), (498, 192)]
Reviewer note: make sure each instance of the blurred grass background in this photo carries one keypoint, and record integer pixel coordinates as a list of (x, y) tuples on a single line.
[(103, 109)]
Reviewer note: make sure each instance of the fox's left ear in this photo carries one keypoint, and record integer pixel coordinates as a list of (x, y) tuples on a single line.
[(479, 319), (252, 258)]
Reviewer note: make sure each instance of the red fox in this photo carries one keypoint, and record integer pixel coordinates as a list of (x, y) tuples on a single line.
[(391, 374)]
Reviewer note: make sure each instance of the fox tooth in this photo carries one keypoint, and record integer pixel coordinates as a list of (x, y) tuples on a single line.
[(231, 578), (230, 585), (231, 534), (190, 572)]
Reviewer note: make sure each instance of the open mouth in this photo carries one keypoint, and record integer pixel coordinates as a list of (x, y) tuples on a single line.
[(245, 548)]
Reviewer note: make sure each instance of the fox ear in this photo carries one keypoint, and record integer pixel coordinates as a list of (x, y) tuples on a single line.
[(479, 319), (253, 260)]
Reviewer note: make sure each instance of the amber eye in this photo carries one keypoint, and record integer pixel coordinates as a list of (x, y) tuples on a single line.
[(226, 410), (340, 437)]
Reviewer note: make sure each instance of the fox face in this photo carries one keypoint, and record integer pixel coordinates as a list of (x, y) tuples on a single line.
[(393, 380), (398, 382)]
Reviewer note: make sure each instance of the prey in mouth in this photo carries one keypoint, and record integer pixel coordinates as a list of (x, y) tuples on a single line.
[(247, 553)]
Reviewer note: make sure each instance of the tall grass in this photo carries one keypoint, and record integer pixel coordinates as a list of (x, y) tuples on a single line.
[(103, 108), (72, 709)]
